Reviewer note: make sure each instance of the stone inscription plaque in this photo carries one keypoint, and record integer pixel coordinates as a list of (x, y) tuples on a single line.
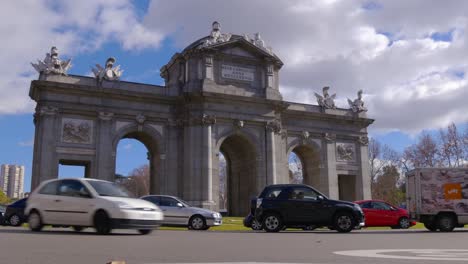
[(237, 73)]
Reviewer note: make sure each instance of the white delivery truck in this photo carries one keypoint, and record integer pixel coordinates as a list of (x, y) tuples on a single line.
[(438, 197)]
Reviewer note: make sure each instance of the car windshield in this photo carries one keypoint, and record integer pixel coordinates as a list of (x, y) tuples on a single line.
[(184, 202), (104, 188)]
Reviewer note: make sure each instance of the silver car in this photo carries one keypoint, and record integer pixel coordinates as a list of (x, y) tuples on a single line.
[(179, 213)]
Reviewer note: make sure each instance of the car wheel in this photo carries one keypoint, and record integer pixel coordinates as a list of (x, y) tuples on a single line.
[(77, 228), (145, 231), (102, 223), (309, 227), (15, 220), (35, 221), (256, 225), (404, 223), (197, 222), (344, 222), (272, 223), (445, 223), (430, 226)]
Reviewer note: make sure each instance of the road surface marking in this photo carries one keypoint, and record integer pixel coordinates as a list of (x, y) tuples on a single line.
[(414, 254)]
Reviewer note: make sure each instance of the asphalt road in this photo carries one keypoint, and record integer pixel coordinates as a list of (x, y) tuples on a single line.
[(60, 245)]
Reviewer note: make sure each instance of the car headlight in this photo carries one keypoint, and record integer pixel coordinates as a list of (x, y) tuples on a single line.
[(216, 215), (124, 205)]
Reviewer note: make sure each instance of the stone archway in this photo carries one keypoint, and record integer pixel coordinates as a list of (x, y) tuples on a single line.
[(151, 140), (310, 160), (241, 168)]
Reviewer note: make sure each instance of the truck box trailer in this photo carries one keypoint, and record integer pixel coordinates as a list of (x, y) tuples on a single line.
[(438, 197)]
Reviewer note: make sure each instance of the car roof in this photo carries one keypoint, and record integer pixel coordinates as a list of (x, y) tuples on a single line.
[(287, 185), (371, 200), (159, 195)]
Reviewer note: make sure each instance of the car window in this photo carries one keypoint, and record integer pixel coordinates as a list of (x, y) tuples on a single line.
[(273, 193), (304, 194), (50, 188), (104, 188), (154, 199), (366, 205), (168, 201), (72, 188), (381, 206)]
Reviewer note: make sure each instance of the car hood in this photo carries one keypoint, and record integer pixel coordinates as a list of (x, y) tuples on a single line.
[(131, 202), (203, 211)]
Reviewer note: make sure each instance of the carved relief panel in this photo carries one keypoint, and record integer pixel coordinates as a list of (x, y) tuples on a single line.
[(77, 131), (345, 152)]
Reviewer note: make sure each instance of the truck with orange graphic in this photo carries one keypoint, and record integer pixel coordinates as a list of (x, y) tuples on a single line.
[(438, 197)]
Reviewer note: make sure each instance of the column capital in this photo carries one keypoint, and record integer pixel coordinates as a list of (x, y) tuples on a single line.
[(329, 137)]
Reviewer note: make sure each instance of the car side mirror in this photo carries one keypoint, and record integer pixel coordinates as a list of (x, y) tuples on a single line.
[(180, 205), (320, 198)]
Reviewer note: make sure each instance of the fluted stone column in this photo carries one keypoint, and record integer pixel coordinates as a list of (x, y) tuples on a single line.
[(364, 182), (207, 122), (45, 166), (104, 148), (331, 177), (272, 128)]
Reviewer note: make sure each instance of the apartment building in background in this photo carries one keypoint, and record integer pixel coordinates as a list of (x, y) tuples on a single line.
[(12, 180)]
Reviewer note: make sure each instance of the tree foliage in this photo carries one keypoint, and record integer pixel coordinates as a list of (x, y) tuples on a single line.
[(449, 149), (3, 198), (388, 186), (138, 182)]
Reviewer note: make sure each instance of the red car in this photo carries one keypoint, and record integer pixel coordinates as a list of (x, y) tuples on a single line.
[(380, 213)]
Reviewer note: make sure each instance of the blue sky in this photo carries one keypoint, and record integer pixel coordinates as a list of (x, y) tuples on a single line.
[(411, 63)]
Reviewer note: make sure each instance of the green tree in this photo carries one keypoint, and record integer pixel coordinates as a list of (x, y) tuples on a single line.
[(387, 186), (3, 198)]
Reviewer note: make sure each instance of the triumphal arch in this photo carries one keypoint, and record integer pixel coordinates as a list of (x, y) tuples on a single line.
[(221, 95)]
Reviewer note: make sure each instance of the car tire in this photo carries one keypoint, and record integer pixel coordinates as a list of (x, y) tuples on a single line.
[(430, 226), (343, 222), (102, 223), (197, 222), (145, 231), (35, 221), (256, 225), (77, 228), (404, 223), (309, 228), (15, 220), (446, 223), (272, 223)]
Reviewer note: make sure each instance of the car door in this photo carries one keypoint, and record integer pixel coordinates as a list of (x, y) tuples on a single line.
[(383, 213), (305, 207), (173, 213), (74, 203), (368, 213), (44, 200)]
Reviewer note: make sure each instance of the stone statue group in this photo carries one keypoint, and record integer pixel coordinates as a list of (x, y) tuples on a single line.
[(53, 65), (327, 101)]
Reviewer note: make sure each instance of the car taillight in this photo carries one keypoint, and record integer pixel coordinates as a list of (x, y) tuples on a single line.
[(259, 202)]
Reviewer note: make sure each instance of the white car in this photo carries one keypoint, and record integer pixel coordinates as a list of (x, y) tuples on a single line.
[(179, 213), (94, 203)]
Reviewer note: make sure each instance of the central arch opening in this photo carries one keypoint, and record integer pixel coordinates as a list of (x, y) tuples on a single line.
[(137, 163), (239, 158), (304, 166)]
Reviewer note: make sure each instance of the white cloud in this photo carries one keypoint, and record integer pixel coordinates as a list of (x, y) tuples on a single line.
[(389, 52), (30, 28), (28, 143), (127, 146)]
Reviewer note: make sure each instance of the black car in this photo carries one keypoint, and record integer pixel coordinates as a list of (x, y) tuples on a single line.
[(14, 213), (294, 205)]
